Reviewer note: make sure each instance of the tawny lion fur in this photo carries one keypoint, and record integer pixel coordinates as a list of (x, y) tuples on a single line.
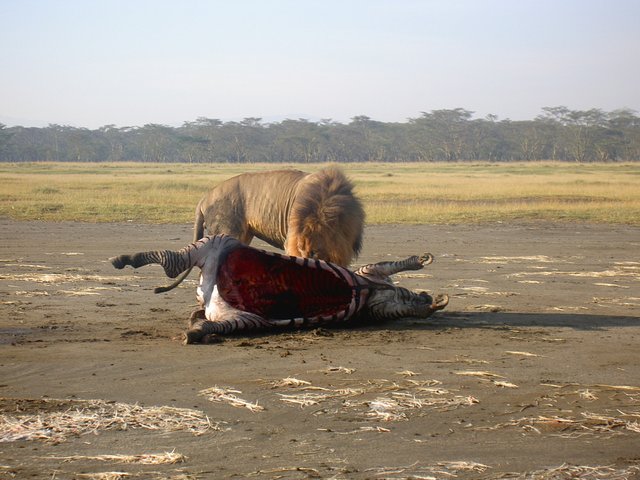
[(313, 215)]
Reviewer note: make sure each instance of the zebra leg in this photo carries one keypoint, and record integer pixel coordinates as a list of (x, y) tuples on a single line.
[(383, 270), (176, 262), (226, 320), (194, 334), (172, 262), (398, 302)]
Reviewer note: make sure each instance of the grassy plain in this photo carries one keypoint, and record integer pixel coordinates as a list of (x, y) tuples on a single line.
[(403, 193)]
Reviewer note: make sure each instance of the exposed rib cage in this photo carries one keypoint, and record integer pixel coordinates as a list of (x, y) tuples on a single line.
[(288, 290)]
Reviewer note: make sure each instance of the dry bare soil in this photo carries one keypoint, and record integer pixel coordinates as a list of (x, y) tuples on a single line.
[(532, 371)]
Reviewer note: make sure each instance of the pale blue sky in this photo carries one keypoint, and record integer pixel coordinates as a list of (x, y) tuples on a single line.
[(90, 63)]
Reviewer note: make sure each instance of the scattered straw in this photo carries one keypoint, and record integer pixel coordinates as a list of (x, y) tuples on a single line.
[(504, 384), (394, 407), (587, 394), (589, 424), (461, 466), (460, 360), (377, 429), (307, 399), (424, 383), (619, 387), (304, 399), (227, 395), (474, 373), (529, 258), (346, 370), (437, 471), (144, 475), (143, 459), (289, 382), (105, 475), (523, 354), (568, 472), (57, 419), (310, 472)]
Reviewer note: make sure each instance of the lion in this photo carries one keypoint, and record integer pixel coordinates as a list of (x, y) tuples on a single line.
[(313, 215)]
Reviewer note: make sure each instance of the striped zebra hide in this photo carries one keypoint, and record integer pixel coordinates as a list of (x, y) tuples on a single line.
[(244, 288)]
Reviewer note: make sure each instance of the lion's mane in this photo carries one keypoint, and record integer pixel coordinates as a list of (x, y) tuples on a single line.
[(326, 218)]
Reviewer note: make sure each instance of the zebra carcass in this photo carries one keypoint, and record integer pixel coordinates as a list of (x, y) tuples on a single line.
[(243, 288)]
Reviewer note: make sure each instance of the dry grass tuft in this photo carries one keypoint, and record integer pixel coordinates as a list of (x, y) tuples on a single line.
[(228, 395), (584, 472), (380, 400), (394, 407), (522, 354), (346, 370), (290, 382), (475, 373), (589, 424), (488, 376), (55, 420), (145, 475), (142, 459), (105, 475), (307, 471), (431, 472)]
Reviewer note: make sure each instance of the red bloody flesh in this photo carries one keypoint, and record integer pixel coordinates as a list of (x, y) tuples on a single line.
[(277, 288)]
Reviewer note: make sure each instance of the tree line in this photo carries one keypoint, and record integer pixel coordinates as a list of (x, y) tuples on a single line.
[(439, 135)]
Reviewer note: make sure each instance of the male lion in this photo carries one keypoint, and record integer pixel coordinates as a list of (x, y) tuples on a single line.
[(313, 215)]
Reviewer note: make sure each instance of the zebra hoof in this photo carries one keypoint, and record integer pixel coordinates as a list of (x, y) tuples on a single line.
[(119, 262), (196, 336), (192, 336), (426, 259), (440, 302)]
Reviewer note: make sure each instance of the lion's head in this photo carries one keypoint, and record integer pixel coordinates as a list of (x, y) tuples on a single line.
[(326, 219)]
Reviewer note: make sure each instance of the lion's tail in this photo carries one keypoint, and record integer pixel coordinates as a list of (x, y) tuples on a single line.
[(198, 233)]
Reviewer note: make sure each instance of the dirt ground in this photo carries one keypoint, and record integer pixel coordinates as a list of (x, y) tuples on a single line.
[(532, 371)]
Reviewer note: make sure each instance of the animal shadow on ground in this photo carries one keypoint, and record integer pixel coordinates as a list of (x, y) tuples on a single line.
[(507, 319), (452, 320)]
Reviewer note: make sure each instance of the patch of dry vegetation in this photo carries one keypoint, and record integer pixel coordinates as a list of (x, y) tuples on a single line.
[(54, 420), (406, 193)]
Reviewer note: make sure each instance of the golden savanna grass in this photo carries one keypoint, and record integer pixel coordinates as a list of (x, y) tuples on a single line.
[(405, 193)]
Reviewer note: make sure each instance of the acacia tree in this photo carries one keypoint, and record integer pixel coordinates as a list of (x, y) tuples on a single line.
[(627, 123), (202, 139), (579, 132), (5, 136), (443, 135)]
